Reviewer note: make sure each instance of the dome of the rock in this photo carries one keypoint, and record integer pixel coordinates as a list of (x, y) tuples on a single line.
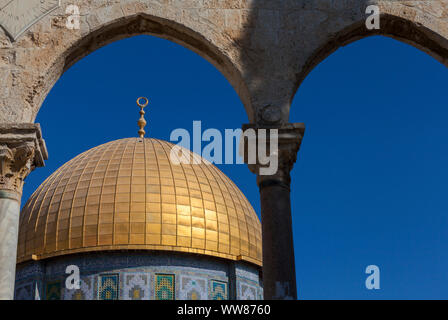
[(136, 224)]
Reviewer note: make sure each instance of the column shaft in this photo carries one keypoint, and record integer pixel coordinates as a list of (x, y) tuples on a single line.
[(9, 227), (279, 273)]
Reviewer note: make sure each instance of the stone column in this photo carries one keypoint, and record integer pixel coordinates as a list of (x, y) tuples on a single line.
[(279, 276), (21, 150)]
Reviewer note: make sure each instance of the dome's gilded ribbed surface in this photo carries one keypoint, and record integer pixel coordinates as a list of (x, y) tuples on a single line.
[(127, 194)]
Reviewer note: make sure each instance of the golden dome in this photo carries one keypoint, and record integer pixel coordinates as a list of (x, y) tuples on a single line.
[(126, 194)]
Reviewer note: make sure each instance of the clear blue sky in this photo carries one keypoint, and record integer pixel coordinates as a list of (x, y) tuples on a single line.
[(371, 182)]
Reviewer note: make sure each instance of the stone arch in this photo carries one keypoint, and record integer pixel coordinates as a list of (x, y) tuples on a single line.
[(54, 51), (408, 25), (139, 24)]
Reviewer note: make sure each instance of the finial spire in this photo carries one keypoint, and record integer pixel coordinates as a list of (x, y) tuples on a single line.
[(142, 122)]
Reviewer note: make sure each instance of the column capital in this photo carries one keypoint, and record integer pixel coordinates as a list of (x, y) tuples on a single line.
[(21, 150), (290, 137)]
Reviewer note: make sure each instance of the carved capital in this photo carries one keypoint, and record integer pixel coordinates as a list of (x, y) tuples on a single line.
[(288, 140), (21, 150)]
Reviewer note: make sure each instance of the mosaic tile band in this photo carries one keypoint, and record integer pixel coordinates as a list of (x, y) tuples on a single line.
[(139, 277)]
